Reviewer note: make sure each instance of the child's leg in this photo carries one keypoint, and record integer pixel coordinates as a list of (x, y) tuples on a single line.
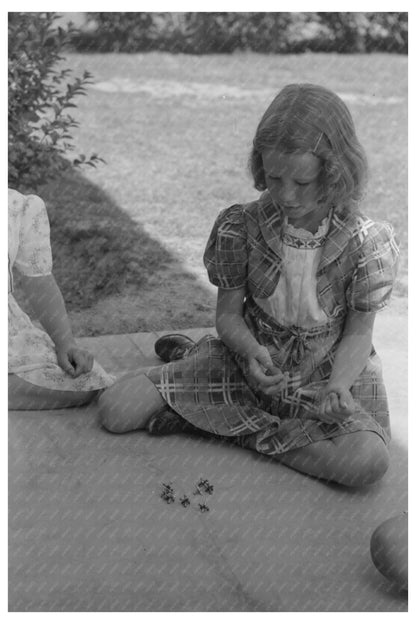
[(26, 396), (129, 403), (354, 459)]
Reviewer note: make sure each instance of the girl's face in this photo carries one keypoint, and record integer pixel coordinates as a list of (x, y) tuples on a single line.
[(293, 183)]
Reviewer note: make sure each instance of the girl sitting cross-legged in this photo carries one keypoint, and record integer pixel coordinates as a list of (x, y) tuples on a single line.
[(301, 273)]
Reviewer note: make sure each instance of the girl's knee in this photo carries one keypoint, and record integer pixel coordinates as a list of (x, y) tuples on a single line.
[(128, 404), (108, 414), (368, 460), (353, 460)]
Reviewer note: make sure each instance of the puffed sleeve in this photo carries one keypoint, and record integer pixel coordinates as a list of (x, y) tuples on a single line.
[(376, 268), (225, 255), (34, 256)]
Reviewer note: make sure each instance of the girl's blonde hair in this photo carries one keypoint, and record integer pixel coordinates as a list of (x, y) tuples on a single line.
[(310, 118)]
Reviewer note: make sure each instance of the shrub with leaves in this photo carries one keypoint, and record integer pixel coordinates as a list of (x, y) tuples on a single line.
[(119, 32), (273, 32), (40, 98)]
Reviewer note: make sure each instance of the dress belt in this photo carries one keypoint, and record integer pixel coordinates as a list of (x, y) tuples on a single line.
[(295, 338)]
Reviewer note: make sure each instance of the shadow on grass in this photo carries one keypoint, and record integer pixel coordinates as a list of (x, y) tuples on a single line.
[(114, 277)]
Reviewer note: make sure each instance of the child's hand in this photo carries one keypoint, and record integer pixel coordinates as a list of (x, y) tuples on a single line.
[(75, 361), (265, 375), (336, 404)]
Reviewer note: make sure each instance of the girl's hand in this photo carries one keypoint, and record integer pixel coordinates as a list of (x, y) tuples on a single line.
[(74, 361), (265, 375), (336, 404)]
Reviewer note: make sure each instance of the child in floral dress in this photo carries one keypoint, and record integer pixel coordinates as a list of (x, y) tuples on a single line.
[(46, 368), (301, 274)]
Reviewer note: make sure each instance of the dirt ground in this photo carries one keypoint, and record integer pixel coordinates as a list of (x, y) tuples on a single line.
[(178, 302)]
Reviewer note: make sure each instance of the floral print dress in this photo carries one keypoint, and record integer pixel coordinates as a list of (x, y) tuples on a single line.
[(32, 353)]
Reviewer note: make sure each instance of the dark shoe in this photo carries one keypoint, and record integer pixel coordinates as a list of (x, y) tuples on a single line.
[(173, 347), (168, 422)]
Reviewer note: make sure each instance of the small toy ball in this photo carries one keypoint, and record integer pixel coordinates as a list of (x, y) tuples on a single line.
[(388, 549)]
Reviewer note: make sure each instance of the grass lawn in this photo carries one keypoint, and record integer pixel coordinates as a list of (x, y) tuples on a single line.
[(175, 132)]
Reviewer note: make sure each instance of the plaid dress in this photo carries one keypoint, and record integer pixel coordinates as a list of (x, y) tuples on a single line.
[(211, 386)]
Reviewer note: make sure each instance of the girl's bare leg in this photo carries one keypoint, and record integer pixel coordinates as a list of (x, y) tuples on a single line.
[(26, 396), (129, 403), (354, 459)]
